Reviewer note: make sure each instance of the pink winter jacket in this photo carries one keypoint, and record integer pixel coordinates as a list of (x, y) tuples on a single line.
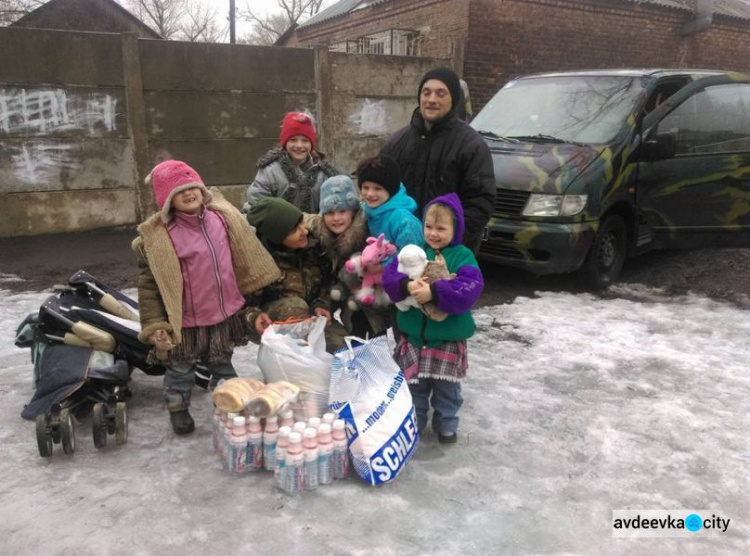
[(210, 294)]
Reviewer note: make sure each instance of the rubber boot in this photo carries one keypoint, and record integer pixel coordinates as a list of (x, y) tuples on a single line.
[(177, 405)]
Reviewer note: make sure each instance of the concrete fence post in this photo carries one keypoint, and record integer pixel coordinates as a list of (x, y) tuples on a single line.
[(323, 101), (458, 52), (136, 112)]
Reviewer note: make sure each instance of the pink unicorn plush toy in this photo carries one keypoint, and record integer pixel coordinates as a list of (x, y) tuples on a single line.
[(366, 265)]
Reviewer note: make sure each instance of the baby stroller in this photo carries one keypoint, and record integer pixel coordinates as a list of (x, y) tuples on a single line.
[(84, 345)]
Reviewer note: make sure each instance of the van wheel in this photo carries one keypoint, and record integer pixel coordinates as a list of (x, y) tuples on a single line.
[(607, 255)]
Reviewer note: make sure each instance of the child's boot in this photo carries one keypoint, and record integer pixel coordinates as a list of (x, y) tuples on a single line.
[(182, 421), (447, 438)]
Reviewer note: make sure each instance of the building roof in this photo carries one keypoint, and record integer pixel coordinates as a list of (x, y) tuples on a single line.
[(339, 9), (739, 9), (31, 18)]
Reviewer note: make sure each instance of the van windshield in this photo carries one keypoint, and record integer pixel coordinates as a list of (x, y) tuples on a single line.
[(571, 109)]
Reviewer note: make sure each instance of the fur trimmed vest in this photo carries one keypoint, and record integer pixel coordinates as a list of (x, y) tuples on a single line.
[(160, 281)]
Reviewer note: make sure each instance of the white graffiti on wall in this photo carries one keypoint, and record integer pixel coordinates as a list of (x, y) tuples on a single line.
[(370, 120), (45, 111), (39, 165)]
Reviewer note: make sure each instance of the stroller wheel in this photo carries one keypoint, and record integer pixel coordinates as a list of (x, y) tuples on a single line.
[(99, 425), (43, 438), (67, 431), (121, 423)]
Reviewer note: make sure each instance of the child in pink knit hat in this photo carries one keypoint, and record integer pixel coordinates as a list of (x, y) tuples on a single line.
[(199, 262), (295, 170)]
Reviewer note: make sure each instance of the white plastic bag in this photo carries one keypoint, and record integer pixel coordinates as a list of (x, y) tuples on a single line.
[(296, 353), (369, 391)]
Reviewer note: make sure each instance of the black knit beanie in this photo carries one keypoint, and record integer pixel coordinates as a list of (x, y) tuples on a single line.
[(274, 218), (447, 76), (382, 170)]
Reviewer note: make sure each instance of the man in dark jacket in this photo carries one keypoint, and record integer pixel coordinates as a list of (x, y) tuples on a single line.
[(438, 153)]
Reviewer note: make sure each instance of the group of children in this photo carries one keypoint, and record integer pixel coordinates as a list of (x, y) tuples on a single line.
[(212, 278)]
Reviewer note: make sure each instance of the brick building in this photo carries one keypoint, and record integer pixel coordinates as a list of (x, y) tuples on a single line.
[(104, 16), (492, 41)]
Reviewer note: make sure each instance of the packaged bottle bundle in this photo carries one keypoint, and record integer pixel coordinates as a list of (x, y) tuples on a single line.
[(302, 457)]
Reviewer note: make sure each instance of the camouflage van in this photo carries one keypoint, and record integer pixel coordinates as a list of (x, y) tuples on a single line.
[(593, 167)]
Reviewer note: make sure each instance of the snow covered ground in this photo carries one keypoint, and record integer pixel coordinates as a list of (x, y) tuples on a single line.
[(576, 405)]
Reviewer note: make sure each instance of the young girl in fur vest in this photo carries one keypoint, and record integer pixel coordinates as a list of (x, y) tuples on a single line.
[(199, 259), (342, 230), (293, 171), (432, 354)]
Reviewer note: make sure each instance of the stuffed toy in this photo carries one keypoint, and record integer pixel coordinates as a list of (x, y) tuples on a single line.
[(367, 267), (412, 261)]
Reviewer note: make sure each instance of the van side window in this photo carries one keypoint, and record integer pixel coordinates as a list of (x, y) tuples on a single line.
[(715, 120)]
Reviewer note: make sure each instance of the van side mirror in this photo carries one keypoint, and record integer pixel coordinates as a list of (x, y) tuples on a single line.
[(659, 146)]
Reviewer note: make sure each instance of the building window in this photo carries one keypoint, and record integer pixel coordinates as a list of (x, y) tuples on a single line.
[(395, 42)]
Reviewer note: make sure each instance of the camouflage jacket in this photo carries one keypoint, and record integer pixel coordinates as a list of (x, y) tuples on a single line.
[(305, 276)]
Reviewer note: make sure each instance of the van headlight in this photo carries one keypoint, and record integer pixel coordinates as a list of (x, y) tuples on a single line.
[(540, 204)]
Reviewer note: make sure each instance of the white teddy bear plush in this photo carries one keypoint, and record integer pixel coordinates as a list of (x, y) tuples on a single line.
[(412, 260)]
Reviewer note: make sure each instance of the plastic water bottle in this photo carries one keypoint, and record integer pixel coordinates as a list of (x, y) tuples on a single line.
[(226, 438), (237, 454), (340, 450), (254, 444), (328, 418), (325, 449), (313, 422), (282, 443), (310, 445), (270, 436), (286, 418), (295, 460)]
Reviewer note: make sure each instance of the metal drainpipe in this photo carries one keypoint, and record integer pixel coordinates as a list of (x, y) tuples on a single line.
[(704, 15)]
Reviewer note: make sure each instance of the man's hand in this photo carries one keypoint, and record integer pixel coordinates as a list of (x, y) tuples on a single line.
[(422, 293), (262, 322), (161, 340), (321, 312)]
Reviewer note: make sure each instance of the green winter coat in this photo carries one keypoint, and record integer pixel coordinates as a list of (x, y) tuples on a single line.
[(421, 330)]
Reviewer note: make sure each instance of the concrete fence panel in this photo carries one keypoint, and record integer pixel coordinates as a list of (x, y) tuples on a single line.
[(85, 116)]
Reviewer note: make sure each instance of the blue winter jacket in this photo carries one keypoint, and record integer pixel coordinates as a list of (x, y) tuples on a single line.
[(395, 218)]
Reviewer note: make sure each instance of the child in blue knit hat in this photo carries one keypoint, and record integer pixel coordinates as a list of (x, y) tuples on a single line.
[(342, 230)]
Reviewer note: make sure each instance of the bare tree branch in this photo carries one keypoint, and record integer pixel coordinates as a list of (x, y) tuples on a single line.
[(269, 27), (162, 15), (12, 10), (199, 24)]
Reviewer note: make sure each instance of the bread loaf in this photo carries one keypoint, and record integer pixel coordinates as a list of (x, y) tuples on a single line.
[(272, 398), (233, 395)]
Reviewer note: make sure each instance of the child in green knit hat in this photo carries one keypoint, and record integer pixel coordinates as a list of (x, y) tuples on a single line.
[(303, 290)]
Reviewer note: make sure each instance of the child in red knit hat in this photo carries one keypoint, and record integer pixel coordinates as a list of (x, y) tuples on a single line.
[(199, 261), (295, 170)]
